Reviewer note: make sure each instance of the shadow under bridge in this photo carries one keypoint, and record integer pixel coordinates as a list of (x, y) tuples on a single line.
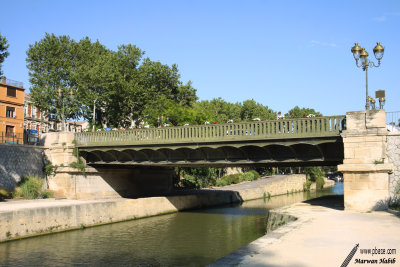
[(288, 142)]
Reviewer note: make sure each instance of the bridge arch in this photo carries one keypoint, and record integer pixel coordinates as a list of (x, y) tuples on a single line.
[(281, 152), (307, 152)]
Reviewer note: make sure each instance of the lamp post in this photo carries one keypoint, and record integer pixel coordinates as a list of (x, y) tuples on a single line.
[(61, 94), (359, 53), (94, 116)]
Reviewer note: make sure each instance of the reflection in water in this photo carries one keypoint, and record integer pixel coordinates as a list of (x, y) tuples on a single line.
[(187, 238)]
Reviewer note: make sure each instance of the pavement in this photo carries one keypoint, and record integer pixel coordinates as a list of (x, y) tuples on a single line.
[(324, 235)]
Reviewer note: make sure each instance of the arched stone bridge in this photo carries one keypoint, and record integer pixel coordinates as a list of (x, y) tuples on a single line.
[(288, 142)]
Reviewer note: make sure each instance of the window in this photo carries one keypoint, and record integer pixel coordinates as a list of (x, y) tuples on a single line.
[(11, 92), (10, 112), (9, 131)]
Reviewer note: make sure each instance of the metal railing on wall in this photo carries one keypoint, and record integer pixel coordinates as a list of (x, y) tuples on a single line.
[(393, 118), (8, 138), (273, 129), (12, 82)]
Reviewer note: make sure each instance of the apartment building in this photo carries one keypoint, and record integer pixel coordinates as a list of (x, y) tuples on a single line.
[(11, 111)]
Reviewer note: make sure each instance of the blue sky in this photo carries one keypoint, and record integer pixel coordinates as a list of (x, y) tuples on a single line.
[(280, 53)]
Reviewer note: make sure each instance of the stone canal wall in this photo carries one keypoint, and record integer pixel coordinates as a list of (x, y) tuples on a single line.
[(25, 218), (275, 186), (17, 161), (393, 154)]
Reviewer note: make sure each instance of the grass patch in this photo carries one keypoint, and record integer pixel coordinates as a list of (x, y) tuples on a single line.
[(31, 187), (4, 193)]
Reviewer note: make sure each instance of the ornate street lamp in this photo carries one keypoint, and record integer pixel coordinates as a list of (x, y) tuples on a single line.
[(361, 55)]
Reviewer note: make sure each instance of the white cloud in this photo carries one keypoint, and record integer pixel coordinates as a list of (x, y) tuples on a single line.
[(314, 43), (380, 19), (386, 16)]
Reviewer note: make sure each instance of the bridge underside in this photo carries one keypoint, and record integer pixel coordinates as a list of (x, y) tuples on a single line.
[(324, 151)]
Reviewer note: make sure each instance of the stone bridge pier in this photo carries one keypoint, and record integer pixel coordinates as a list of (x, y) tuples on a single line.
[(100, 182), (365, 166)]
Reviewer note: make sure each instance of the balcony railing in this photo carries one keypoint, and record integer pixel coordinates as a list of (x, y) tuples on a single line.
[(11, 82), (272, 129), (11, 138)]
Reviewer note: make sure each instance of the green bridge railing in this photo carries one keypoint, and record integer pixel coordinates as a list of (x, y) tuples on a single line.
[(271, 129)]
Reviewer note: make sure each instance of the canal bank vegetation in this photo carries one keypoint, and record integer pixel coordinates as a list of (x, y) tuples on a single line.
[(314, 175), (30, 187), (207, 177), (395, 201)]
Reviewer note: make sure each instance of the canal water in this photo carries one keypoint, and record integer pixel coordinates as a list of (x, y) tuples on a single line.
[(191, 238)]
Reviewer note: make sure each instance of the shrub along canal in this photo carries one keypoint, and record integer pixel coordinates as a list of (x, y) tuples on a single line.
[(190, 238)]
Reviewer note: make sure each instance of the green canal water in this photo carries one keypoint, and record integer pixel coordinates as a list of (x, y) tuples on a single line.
[(191, 238)]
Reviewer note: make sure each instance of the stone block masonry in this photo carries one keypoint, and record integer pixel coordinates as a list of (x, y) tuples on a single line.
[(365, 166), (17, 161), (393, 154)]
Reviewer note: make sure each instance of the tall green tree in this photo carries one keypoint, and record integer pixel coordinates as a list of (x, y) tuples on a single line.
[(3, 51), (297, 112), (218, 110), (121, 86), (251, 110), (50, 64)]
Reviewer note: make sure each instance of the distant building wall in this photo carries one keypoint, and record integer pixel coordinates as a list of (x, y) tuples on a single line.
[(11, 111), (34, 118), (393, 154), (17, 161)]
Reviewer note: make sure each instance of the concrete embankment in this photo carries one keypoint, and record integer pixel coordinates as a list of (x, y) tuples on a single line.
[(26, 218), (323, 234)]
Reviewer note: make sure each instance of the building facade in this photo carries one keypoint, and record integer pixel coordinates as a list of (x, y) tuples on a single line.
[(11, 111), (35, 119), (40, 121)]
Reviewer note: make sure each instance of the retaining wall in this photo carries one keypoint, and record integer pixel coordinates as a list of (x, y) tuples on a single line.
[(29, 218), (393, 154), (17, 161), (110, 183)]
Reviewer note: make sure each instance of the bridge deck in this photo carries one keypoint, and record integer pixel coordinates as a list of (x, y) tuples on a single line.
[(255, 130)]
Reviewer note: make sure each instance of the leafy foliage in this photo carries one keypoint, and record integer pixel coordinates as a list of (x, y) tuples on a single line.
[(307, 185), (320, 183), (197, 177), (237, 178), (48, 169), (31, 187), (4, 193), (315, 174), (297, 112), (220, 111), (3, 51), (123, 87)]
